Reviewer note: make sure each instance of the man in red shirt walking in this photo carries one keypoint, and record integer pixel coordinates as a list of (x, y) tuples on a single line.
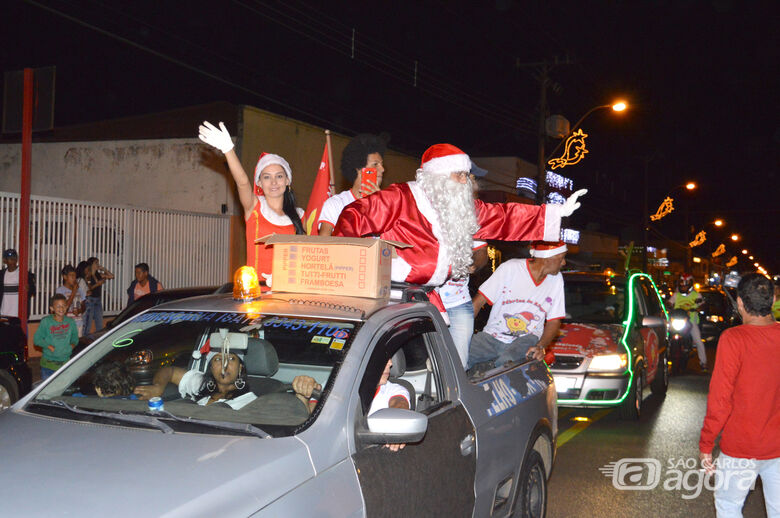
[(744, 404)]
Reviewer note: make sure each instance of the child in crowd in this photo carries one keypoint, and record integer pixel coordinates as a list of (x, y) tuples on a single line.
[(56, 335), (114, 380), (74, 296)]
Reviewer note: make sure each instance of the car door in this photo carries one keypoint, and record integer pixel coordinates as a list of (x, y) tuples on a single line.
[(436, 475), (653, 335)]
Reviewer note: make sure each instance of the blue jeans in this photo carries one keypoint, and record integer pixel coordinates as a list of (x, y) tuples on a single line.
[(462, 328), (93, 313), (737, 476), (485, 348), (45, 373)]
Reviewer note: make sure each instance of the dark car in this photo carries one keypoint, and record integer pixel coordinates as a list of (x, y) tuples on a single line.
[(15, 374), (716, 313), (147, 301)]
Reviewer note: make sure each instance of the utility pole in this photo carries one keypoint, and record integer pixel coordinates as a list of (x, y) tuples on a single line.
[(541, 167), (543, 77)]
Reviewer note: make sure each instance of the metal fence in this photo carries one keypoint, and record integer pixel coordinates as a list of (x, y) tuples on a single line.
[(181, 248)]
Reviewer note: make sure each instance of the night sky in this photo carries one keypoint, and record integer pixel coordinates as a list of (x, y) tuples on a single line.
[(701, 79)]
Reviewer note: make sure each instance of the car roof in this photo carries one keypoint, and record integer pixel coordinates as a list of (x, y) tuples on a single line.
[(285, 304)]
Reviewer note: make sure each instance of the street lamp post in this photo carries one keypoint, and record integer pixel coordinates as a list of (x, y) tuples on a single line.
[(543, 157)]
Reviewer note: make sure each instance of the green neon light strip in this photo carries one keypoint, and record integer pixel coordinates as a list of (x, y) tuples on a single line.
[(624, 342)]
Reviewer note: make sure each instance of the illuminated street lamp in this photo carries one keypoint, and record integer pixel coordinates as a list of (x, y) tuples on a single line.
[(744, 252), (735, 237), (690, 186), (618, 106), (718, 222)]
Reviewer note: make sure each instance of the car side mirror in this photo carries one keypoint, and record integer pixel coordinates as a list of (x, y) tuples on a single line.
[(393, 426), (652, 321)]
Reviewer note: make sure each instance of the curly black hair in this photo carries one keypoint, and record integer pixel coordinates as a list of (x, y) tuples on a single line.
[(355, 154), (115, 379), (757, 293)]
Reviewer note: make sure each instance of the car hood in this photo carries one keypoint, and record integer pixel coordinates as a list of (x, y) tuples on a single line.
[(588, 339), (70, 468)]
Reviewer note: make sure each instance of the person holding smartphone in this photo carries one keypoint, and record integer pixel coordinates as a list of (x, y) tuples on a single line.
[(362, 166)]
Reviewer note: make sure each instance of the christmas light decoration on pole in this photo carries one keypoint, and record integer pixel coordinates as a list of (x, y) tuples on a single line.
[(719, 251), (664, 209), (731, 262), (700, 238), (573, 152)]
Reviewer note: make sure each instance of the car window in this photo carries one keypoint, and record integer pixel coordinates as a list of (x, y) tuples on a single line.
[(273, 350), (651, 299), (640, 296), (421, 382), (597, 301)]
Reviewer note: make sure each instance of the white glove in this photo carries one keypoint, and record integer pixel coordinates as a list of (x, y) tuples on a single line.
[(268, 279), (571, 204), (219, 138)]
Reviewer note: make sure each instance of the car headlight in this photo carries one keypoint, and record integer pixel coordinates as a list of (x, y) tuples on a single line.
[(608, 362), (678, 324)]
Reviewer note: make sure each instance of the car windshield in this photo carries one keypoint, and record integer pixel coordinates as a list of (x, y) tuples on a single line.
[(271, 351), (597, 301)]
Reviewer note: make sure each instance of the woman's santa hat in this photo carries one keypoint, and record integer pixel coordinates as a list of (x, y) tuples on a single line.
[(267, 159), (442, 159), (542, 249)]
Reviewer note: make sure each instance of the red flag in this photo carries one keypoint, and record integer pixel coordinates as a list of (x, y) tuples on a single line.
[(319, 193)]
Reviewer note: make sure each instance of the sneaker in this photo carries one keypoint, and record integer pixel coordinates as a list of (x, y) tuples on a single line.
[(704, 369)]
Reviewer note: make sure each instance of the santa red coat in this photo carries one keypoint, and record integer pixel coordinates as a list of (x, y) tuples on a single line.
[(402, 212)]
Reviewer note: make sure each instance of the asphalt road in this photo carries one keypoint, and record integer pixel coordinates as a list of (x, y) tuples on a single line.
[(667, 431)]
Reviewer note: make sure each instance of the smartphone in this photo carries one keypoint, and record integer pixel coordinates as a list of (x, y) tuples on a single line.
[(367, 174)]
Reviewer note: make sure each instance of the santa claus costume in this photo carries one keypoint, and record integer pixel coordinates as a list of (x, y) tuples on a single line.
[(403, 212)]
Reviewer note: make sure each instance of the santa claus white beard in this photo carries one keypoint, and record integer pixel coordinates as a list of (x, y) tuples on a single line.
[(454, 205)]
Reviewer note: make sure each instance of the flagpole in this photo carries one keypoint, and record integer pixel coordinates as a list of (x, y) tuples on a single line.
[(332, 184)]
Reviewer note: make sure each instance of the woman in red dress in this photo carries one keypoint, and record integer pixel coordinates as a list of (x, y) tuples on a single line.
[(269, 204)]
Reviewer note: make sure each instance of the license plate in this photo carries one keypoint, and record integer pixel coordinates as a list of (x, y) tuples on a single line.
[(564, 383)]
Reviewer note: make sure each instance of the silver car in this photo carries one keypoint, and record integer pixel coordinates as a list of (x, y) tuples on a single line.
[(473, 447)]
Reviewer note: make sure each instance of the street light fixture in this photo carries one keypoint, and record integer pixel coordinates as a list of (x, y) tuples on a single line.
[(735, 237), (690, 186), (744, 252), (618, 106), (718, 222)]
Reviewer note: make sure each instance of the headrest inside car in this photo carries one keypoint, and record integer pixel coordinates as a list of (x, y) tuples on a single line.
[(237, 341), (399, 364), (261, 358)]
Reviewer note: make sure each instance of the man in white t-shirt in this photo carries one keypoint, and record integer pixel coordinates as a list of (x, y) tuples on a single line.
[(362, 151), (527, 307), (9, 286)]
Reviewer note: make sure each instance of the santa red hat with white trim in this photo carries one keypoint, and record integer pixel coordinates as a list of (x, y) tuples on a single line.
[(443, 159), (543, 249)]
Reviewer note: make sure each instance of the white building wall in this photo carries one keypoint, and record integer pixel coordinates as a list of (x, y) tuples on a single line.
[(169, 174)]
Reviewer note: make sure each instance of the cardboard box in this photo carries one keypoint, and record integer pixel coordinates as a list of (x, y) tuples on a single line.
[(351, 266)]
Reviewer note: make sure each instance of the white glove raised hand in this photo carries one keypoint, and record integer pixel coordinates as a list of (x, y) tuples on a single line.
[(268, 279), (217, 137), (571, 204)]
